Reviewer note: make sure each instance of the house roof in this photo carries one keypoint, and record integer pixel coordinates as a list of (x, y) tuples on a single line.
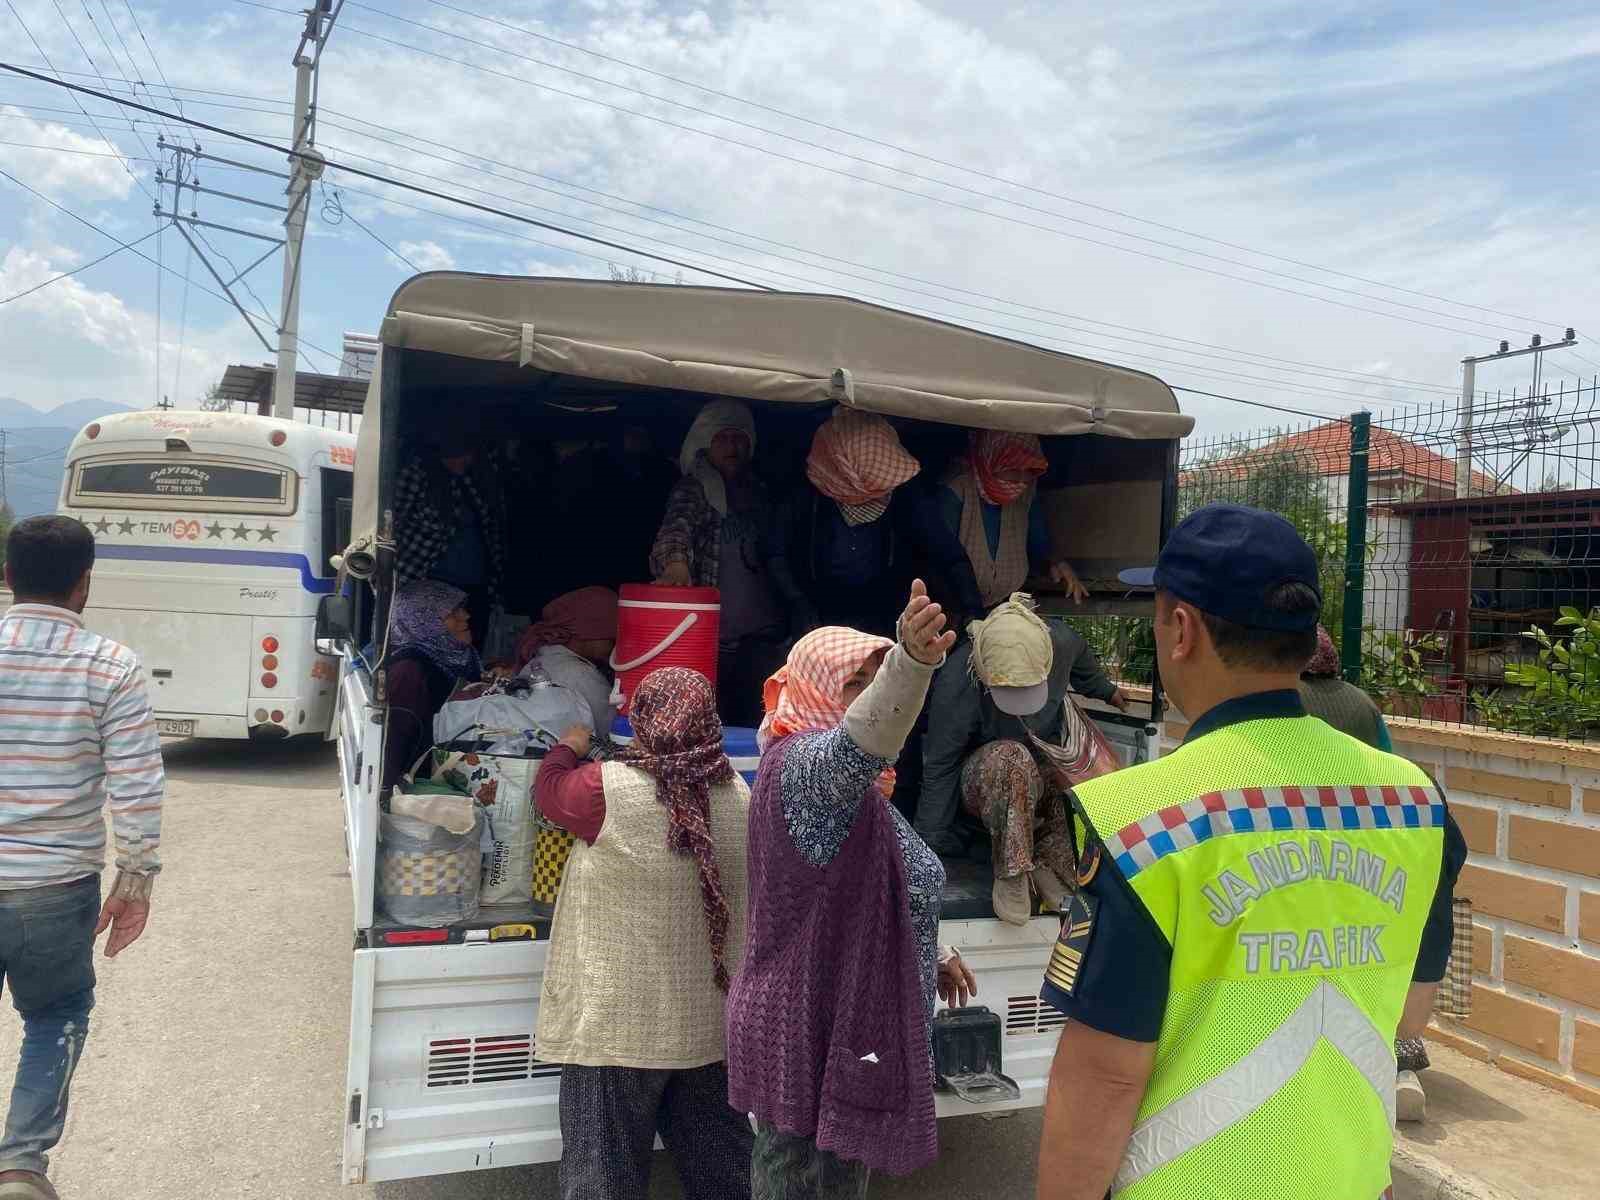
[(1327, 449)]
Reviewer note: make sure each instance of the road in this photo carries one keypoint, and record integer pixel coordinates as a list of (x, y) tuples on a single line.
[(215, 1063)]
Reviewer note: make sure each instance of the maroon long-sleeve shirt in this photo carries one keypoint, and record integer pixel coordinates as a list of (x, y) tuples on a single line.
[(570, 793)]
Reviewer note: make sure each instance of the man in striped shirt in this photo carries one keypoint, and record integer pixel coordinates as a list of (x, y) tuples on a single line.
[(76, 734)]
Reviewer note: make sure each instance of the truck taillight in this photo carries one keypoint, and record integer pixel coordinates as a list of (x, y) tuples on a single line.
[(269, 662), (277, 437), (93, 431), (269, 680), (269, 644), (410, 937), (277, 716)]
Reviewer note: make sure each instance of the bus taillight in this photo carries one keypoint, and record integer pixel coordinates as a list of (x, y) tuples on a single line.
[(269, 644), (277, 437), (93, 431), (269, 662), (269, 680)]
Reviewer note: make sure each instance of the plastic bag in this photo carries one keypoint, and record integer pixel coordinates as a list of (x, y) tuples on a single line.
[(428, 876), (495, 711)]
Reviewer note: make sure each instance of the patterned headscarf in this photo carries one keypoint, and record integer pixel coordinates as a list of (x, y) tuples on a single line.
[(1325, 662), (586, 615), (416, 623), (990, 451), (856, 461), (806, 694), (719, 416), (678, 741)]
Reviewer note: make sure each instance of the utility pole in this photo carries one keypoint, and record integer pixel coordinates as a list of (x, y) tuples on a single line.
[(1469, 376), (304, 168)]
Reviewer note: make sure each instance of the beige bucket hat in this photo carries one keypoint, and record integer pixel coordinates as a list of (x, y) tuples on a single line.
[(1012, 654)]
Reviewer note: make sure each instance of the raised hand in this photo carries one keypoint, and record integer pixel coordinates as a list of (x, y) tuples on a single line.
[(922, 628)]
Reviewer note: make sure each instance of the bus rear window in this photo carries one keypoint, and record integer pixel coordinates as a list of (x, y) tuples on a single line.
[(211, 484)]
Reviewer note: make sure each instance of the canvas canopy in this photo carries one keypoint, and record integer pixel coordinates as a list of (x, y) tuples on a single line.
[(774, 347)]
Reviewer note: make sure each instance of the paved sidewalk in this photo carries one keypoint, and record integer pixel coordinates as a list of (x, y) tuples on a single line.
[(1489, 1134)]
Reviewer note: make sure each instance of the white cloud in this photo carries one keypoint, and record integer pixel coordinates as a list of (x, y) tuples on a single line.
[(1329, 133), (428, 256), (69, 162)]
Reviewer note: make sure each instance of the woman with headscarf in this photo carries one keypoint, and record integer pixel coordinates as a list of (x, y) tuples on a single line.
[(429, 651), (830, 1016), (649, 922), (989, 504), (720, 531), (857, 537), (572, 639)]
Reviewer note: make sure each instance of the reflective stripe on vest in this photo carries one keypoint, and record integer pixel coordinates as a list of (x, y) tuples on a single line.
[(1265, 810), (1230, 1097)]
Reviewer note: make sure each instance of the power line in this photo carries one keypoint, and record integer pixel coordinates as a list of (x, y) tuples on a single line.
[(68, 150), (126, 165), (945, 201), (910, 153), (93, 66), (262, 143), (76, 270), (161, 267), (1294, 366), (1294, 412)]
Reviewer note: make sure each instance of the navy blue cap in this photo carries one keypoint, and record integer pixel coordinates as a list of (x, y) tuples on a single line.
[(1225, 559)]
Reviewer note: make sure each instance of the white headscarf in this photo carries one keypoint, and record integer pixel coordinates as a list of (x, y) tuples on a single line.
[(714, 418)]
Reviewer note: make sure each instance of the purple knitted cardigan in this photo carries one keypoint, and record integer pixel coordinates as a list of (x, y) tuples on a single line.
[(827, 1022)]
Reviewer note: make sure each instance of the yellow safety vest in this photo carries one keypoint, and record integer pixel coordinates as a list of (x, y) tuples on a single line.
[(1292, 870)]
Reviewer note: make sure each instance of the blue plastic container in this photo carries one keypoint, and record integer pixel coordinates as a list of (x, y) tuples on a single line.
[(738, 743)]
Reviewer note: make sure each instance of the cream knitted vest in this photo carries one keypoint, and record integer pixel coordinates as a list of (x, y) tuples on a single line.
[(1000, 574), (628, 981)]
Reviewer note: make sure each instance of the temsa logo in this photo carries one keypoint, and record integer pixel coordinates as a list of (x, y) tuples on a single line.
[(186, 531)]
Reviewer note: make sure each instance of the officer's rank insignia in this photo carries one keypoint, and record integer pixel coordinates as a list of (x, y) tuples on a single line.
[(1067, 957)]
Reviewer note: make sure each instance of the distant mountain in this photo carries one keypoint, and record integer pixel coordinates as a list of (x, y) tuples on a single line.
[(75, 414), (36, 448)]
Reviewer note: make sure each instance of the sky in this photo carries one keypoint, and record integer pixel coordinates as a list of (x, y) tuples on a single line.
[(1322, 207)]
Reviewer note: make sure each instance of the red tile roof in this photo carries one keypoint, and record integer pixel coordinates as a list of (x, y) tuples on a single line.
[(1327, 449)]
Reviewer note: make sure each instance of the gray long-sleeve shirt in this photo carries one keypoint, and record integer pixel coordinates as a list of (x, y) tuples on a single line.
[(962, 717)]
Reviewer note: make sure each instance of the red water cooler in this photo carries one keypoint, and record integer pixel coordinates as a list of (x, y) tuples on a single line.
[(661, 626)]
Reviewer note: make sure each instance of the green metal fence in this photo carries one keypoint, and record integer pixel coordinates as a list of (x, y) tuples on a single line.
[(1460, 562)]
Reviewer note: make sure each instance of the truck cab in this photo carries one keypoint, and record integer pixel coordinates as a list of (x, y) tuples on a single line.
[(444, 1073)]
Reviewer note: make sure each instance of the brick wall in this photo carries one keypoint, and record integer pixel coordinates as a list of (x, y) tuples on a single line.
[(1530, 812)]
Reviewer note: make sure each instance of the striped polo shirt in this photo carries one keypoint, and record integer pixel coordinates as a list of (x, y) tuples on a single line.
[(77, 734)]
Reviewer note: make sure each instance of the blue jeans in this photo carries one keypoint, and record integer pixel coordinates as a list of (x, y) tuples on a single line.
[(47, 959)]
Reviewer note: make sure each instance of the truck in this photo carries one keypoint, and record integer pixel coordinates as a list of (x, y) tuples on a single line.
[(443, 1072)]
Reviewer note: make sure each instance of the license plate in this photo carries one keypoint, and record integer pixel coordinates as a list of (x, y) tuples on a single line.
[(175, 728)]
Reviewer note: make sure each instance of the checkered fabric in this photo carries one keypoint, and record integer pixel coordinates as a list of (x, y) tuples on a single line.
[(428, 505), (1262, 810), (806, 694), (990, 451), (430, 874), (1454, 997), (857, 460), (551, 849)]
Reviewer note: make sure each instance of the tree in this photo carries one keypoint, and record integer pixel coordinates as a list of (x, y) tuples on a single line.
[(1285, 483), (637, 275), (214, 400)]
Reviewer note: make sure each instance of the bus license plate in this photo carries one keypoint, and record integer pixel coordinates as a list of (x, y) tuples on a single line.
[(175, 728)]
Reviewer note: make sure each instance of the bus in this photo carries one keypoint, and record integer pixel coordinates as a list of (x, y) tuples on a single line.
[(214, 539)]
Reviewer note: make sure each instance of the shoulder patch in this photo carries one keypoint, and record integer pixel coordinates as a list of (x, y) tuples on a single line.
[(1088, 864), (1077, 930)]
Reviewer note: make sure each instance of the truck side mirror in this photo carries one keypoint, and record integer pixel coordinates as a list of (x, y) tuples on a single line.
[(336, 622)]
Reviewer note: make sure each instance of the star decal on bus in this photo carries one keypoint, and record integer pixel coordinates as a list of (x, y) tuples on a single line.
[(124, 526), (267, 533), (216, 529), (103, 525), (241, 532)]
